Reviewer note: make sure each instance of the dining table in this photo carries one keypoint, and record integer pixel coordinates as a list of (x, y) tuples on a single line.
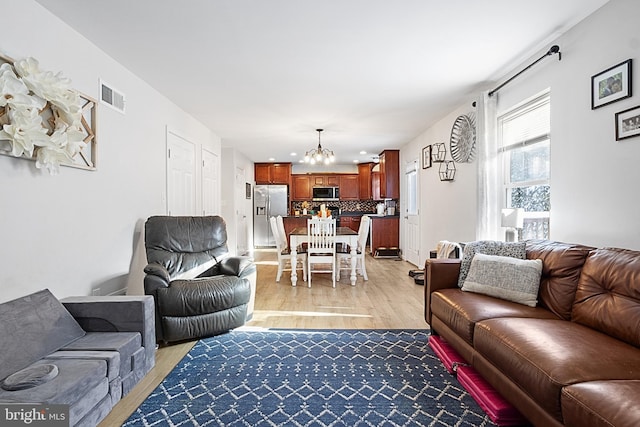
[(299, 235)]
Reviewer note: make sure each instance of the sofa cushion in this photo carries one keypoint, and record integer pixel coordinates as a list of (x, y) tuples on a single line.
[(32, 327), (125, 343), (182, 244), (81, 384), (601, 404), (608, 295), (111, 357), (203, 296), (461, 310), (506, 278), (177, 328), (30, 377), (488, 247), (542, 356), (561, 267)]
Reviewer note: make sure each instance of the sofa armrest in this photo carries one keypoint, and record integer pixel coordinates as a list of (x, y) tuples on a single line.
[(117, 314), (440, 273)]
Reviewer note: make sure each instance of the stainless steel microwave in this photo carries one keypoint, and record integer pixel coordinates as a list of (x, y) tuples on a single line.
[(328, 194)]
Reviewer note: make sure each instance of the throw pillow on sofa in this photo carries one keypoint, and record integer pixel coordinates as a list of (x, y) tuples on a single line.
[(507, 278), (489, 247)]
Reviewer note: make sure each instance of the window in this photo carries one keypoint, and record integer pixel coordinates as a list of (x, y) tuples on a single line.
[(524, 135)]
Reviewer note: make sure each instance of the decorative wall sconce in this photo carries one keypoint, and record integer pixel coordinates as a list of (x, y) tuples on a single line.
[(447, 170), (439, 151)]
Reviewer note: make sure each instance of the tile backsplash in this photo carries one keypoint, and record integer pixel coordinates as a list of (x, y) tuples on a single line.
[(366, 206)]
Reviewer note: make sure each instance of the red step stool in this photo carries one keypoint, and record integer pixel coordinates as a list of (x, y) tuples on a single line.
[(492, 403)]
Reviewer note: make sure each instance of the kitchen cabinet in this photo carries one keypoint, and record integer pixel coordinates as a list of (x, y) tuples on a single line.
[(375, 186), (302, 184), (390, 174), (364, 181), (272, 173), (353, 222), (318, 180), (349, 187), (301, 187), (385, 232)]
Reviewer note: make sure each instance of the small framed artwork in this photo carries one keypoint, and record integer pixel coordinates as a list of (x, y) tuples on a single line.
[(247, 190), (611, 85), (426, 157), (628, 123)]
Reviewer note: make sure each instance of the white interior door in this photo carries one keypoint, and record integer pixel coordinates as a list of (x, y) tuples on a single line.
[(412, 220), (210, 184), (181, 176)]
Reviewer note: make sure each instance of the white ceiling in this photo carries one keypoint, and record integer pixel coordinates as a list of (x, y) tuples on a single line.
[(264, 74)]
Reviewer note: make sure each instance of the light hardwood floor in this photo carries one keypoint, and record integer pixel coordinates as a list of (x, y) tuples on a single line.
[(388, 300)]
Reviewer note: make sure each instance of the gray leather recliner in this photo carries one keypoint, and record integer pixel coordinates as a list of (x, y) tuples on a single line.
[(199, 289)]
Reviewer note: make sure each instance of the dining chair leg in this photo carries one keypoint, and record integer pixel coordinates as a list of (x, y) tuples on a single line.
[(333, 273), (279, 273), (364, 269)]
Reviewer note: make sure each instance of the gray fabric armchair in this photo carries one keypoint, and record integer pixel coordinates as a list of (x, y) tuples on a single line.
[(199, 289)]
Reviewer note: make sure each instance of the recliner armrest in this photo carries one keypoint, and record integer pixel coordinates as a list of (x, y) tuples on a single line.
[(440, 273), (236, 266), (158, 270)]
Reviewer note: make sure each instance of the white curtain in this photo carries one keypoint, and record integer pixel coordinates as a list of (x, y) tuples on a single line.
[(489, 184)]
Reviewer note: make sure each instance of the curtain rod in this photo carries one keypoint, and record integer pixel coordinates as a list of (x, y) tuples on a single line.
[(553, 49)]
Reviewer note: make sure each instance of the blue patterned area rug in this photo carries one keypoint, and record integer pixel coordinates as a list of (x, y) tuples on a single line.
[(310, 378)]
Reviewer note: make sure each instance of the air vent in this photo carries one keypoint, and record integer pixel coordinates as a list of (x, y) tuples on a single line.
[(111, 97)]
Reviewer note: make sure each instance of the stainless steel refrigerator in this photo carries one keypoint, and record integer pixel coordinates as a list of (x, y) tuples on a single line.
[(268, 201)]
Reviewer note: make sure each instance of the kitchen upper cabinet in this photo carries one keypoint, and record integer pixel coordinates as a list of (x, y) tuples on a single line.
[(325, 180), (272, 173), (364, 181), (349, 187), (301, 187), (375, 186), (390, 174)]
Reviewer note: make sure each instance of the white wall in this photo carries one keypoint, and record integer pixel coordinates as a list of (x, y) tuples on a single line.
[(447, 209), (237, 170), (594, 179), (75, 232)]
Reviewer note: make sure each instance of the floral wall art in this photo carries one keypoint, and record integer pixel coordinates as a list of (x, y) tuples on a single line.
[(43, 119)]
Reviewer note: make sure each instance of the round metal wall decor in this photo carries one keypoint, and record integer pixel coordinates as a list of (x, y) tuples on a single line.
[(463, 139)]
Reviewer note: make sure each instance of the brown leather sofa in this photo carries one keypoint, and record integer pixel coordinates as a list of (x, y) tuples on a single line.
[(574, 359)]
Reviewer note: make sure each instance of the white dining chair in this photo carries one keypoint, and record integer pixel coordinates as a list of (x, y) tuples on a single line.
[(282, 231), (344, 258), (284, 254), (321, 247)]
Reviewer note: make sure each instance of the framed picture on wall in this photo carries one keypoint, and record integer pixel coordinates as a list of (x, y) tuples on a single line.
[(611, 85), (426, 157), (628, 123)]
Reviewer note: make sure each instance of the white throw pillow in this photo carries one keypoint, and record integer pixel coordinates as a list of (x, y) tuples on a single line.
[(506, 278), (489, 247)]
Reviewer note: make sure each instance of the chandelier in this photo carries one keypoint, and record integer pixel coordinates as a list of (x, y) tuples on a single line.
[(319, 155)]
